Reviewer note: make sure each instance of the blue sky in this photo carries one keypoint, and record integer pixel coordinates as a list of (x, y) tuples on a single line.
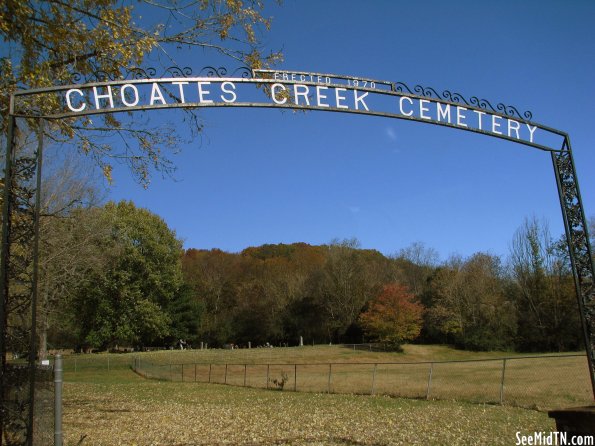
[(267, 176)]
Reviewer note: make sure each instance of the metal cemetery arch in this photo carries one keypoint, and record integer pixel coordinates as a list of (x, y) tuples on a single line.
[(177, 88)]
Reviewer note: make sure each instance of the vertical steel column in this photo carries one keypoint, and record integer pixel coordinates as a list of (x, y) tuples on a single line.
[(34, 281), (579, 248), (58, 382), (4, 257)]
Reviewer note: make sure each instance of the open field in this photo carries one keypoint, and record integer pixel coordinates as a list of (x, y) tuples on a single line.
[(124, 409), (110, 405), (542, 382)]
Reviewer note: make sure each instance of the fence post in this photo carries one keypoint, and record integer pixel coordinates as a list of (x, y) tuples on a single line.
[(58, 380), (225, 381), (210, 366), (295, 377), (268, 369), (330, 373), (195, 372), (502, 381), (373, 379), (245, 368), (429, 381)]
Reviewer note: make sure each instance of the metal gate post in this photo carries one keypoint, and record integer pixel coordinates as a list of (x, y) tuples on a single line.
[(34, 282), (502, 381), (579, 248), (4, 256), (58, 380), (429, 380)]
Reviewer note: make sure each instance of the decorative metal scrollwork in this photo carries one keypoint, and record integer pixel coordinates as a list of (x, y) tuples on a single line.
[(132, 73), (578, 244), (474, 101), (243, 72), (17, 403), (179, 71), (151, 73)]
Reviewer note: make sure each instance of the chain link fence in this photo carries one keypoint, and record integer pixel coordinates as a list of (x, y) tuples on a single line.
[(16, 405), (538, 382)]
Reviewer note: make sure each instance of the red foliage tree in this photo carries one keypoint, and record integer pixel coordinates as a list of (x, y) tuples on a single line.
[(393, 317)]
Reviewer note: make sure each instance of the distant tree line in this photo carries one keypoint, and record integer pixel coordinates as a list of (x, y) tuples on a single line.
[(116, 275), (332, 293)]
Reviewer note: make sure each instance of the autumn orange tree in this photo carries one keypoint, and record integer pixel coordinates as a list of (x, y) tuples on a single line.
[(393, 317)]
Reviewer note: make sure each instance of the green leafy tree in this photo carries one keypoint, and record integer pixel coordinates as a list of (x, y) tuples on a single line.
[(128, 301), (393, 317), (185, 312)]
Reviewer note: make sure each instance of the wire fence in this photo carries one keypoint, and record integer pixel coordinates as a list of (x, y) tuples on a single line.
[(539, 382), (16, 405)]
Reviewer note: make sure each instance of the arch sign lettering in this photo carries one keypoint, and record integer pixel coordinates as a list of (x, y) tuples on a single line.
[(298, 90), (295, 90)]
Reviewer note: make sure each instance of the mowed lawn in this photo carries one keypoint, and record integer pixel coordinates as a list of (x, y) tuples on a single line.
[(114, 406)]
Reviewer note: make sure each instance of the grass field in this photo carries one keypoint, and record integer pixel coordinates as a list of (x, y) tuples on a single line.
[(105, 403), (541, 382)]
